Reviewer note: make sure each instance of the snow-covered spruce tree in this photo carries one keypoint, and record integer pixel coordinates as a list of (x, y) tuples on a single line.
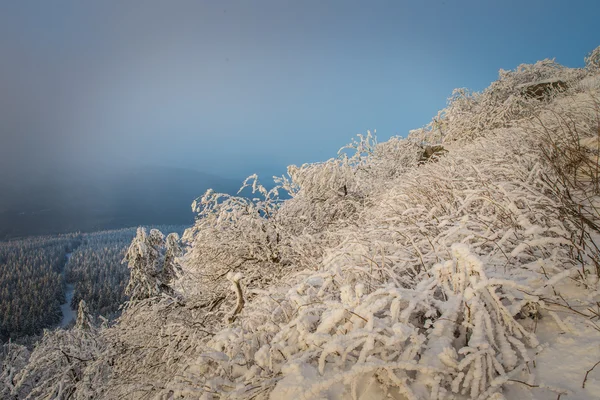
[(173, 250), (84, 319), (151, 262)]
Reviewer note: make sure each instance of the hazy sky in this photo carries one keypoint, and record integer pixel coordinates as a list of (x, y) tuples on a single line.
[(236, 87)]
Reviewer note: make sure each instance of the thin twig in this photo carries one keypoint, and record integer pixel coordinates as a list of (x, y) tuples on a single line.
[(524, 383), (586, 374)]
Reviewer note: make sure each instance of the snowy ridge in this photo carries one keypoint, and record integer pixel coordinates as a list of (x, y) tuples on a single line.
[(472, 274)]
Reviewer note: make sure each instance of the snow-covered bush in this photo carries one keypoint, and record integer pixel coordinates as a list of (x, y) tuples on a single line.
[(570, 132), (14, 358), (453, 332), (152, 341), (470, 114), (330, 192), (592, 60), (233, 234), (56, 367), (323, 194)]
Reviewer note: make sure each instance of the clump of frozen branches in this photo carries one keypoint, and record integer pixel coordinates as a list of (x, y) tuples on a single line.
[(376, 163), (592, 60), (454, 332), (13, 358), (234, 234), (323, 194), (478, 316), (570, 132), (152, 341), (330, 192), (470, 114), (57, 366)]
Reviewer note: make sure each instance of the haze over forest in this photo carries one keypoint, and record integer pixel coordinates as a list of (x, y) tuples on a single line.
[(93, 93)]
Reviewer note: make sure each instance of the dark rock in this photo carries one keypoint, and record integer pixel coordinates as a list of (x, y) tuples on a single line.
[(542, 89), (432, 153)]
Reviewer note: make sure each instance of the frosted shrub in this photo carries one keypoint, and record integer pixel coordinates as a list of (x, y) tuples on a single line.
[(152, 341), (14, 358), (494, 343), (330, 192), (56, 368), (325, 193), (454, 332), (592, 60), (469, 114), (234, 233), (571, 151), (389, 160)]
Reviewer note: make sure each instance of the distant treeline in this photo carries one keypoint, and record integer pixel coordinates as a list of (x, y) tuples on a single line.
[(31, 284)]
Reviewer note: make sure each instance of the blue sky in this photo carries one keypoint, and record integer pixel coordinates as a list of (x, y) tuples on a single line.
[(237, 87)]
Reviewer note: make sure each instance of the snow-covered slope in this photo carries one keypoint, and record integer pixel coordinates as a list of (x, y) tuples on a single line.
[(459, 263)]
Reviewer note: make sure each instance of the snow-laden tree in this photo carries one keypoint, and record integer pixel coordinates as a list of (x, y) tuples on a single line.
[(151, 261), (173, 250), (84, 319)]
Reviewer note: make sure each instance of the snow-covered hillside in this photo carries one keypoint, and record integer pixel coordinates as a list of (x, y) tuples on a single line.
[(461, 262)]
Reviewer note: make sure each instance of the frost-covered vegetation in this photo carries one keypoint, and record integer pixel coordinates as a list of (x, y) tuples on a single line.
[(460, 262)]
